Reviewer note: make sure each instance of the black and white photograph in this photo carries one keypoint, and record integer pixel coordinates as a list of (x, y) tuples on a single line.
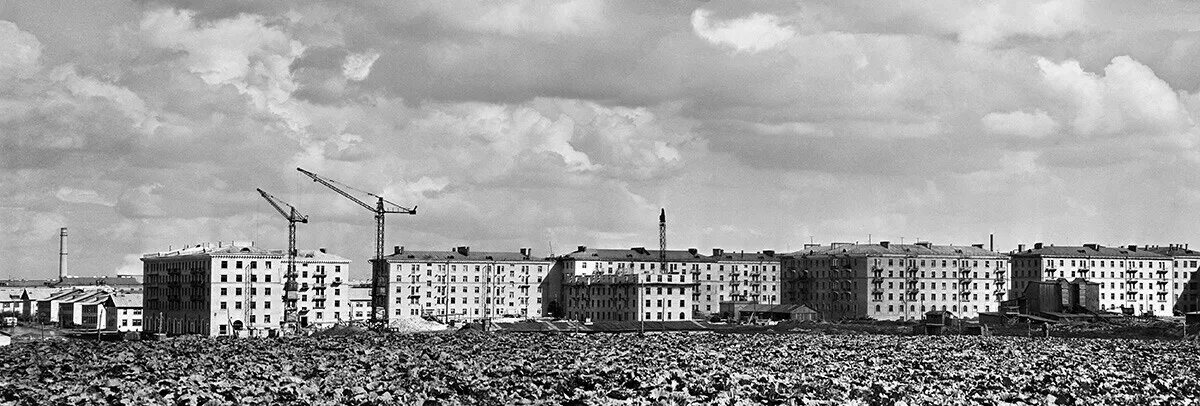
[(599, 202)]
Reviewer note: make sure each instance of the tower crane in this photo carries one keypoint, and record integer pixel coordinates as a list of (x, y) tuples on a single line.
[(289, 285), (379, 271)]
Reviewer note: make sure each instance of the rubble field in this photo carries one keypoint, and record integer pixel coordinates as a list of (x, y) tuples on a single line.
[(669, 368)]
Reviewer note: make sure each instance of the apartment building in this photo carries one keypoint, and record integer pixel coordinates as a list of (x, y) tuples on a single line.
[(1131, 278), (461, 284), (237, 289), (360, 301), (1185, 277), (887, 281), (736, 276), (630, 284)]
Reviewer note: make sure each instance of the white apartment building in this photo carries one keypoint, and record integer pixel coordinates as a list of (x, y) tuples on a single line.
[(1131, 278), (737, 276), (630, 284), (460, 284), (222, 289), (887, 281)]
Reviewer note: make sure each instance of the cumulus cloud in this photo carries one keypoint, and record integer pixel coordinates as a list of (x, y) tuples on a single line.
[(996, 21), (1019, 123), (1128, 98), (19, 52), (243, 52), (752, 34), (358, 66)]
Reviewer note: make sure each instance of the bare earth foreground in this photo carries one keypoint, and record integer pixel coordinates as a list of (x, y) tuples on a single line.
[(674, 368)]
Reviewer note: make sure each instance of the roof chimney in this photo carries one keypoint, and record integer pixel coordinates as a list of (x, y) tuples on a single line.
[(717, 252), (769, 253), (1132, 247), (925, 244), (1020, 247), (581, 248), (525, 252), (1092, 246), (397, 250), (464, 251), (1037, 245), (693, 251), (980, 246), (885, 244), (322, 249)]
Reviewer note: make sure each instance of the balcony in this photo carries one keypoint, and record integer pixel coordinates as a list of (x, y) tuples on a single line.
[(877, 291), (912, 291)]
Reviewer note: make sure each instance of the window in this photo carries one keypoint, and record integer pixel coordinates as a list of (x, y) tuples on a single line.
[(224, 278), (224, 265), (224, 305), (224, 291)]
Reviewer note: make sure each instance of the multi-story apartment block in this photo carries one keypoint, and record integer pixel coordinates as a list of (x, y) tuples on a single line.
[(895, 281), (463, 285), (217, 290), (736, 276), (1185, 276), (630, 284), (1131, 279)]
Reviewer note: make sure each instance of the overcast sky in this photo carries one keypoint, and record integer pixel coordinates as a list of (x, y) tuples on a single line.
[(758, 125)]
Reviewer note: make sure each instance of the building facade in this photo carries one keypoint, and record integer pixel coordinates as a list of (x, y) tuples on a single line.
[(895, 281), (123, 312), (737, 276), (464, 285), (1185, 276), (630, 284), (223, 289), (1132, 279)]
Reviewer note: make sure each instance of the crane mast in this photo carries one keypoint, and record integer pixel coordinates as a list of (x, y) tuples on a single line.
[(379, 270), (289, 285)]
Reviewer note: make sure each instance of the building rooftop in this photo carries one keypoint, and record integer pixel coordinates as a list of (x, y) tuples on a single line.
[(462, 254), (886, 248), (636, 254), (130, 300), (747, 256), (69, 281), (1175, 250), (319, 255), (1088, 250)]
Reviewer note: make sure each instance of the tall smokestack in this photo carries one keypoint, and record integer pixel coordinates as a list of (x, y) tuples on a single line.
[(992, 242), (62, 254), (662, 240)]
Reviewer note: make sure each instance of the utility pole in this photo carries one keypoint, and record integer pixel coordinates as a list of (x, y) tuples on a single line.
[(379, 270)]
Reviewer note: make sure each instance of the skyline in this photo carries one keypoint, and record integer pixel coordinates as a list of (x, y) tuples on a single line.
[(143, 125)]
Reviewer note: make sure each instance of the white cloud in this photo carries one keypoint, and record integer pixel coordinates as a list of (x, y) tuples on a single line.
[(243, 52), (19, 52), (1128, 98), (357, 66), (1034, 125), (543, 18), (996, 21), (755, 33), (73, 195)]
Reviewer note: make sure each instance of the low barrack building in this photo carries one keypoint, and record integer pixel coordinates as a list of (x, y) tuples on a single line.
[(895, 281), (634, 284), (1131, 279), (460, 284), (237, 289)]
